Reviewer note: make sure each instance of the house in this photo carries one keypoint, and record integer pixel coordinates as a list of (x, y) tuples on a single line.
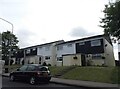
[(38, 54), (94, 50)]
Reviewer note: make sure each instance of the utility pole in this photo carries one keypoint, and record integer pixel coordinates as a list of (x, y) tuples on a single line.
[(10, 43)]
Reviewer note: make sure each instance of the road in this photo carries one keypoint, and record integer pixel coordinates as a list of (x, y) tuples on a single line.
[(18, 84)]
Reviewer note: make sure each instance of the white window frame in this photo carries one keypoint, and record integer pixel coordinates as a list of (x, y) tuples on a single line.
[(95, 43), (81, 43)]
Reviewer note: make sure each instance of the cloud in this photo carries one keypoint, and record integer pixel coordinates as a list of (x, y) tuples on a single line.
[(25, 37), (80, 32), (12, 9)]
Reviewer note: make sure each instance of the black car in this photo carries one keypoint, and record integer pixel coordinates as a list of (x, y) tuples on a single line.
[(33, 73)]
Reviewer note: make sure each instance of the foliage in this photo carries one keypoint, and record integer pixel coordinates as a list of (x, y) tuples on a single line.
[(9, 45), (111, 20)]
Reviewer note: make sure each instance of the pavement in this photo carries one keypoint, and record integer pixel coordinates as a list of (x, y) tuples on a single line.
[(79, 83)]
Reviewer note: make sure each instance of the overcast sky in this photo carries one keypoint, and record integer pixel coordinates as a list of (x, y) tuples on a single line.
[(41, 21)]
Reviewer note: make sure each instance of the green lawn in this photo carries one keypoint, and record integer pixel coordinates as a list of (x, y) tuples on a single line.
[(55, 70), (99, 74)]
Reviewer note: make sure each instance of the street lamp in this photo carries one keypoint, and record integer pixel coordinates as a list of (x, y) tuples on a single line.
[(8, 22), (10, 41)]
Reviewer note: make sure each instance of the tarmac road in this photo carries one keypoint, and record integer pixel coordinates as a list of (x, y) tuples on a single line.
[(18, 84)]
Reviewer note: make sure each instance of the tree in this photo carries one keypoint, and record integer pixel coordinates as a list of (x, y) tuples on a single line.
[(111, 20), (9, 45)]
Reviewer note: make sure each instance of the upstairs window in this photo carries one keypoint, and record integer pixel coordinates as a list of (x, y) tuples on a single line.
[(69, 45), (28, 51), (82, 43), (34, 49), (47, 48), (95, 43), (40, 47), (60, 47)]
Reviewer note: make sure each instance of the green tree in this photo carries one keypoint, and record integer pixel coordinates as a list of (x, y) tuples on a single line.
[(9, 45), (111, 20)]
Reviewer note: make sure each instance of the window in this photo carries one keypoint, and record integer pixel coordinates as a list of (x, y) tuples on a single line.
[(47, 48), (59, 58), (69, 45), (96, 56), (28, 51), (31, 68), (23, 68), (43, 69), (34, 49), (95, 43), (60, 47), (47, 57), (82, 43), (40, 47)]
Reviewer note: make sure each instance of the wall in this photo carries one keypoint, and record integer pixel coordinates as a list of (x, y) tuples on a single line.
[(32, 59), (69, 60), (99, 62), (66, 50), (53, 56), (59, 63), (109, 55), (45, 51)]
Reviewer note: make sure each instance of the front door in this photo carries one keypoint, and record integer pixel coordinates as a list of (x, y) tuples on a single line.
[(83, 60)]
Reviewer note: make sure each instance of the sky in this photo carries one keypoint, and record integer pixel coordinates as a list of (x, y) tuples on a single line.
[(42, 21)]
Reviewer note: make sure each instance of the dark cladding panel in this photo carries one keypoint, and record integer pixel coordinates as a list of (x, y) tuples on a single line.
[(87, 48), (20, 54), (31, 52)]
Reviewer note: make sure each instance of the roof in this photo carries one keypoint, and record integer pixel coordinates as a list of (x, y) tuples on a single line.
[(91, 37), (86, 38), (59, 41)]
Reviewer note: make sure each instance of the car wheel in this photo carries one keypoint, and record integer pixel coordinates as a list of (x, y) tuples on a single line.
[(32, 80), (12, 78)]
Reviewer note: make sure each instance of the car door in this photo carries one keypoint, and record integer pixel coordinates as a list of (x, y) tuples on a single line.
[(30, 72), (21, 72)]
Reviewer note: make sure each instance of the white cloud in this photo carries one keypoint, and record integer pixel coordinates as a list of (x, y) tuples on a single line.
[(80, 32)]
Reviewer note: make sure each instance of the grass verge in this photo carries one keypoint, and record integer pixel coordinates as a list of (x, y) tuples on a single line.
[(97, 74)]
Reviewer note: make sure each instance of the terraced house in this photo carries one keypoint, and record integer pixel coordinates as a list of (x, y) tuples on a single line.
[(94, 50)]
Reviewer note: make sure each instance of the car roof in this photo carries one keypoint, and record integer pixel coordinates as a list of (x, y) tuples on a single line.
[(37, 65)]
